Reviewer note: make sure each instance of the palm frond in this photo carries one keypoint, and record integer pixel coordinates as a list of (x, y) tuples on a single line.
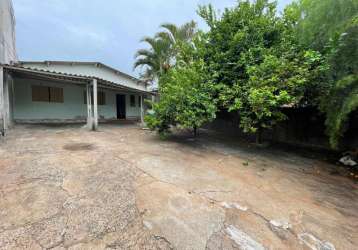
[(160, 55), (171, 28), (164, 36), (144, 53), (142, 62), (187, 31)]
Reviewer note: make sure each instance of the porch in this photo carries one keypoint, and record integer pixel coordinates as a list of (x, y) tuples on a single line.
[(38, 96)]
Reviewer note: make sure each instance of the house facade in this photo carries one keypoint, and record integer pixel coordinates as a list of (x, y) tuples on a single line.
[(30, 106), (62, 91), (69, 92)]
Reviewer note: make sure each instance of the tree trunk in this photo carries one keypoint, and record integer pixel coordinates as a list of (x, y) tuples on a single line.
[(195, 131), (259, 136)]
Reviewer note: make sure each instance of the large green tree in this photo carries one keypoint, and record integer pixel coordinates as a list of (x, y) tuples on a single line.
[(155, 60), (256, 64), (186, 98), (340, 96), (321, 21), (331, 27)]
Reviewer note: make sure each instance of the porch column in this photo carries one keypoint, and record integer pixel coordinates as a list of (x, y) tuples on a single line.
[(7, 105), (2, 102), (95, 106), (89, 106), (141, 109), (12, 101)]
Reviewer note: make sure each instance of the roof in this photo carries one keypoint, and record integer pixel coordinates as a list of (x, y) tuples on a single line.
[(70, 77), (97, 64)]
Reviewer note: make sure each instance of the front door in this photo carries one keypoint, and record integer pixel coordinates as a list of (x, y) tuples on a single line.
[(121, 106)]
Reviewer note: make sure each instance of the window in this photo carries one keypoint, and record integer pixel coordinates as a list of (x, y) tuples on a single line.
[(101, 97), (132, 100), (40, 94), (56, 95), (47, 94)]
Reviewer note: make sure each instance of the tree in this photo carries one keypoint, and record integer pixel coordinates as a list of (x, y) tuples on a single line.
[(277, 82), (331, 27), (256, 64), (320, 21), (155, 60), (186, 97), (161, 54), (183, 33), (341, 101), (339, 97)]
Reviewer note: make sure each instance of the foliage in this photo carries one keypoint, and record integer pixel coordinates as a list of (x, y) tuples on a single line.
[(340, 97), (177, 34), (320, 21), (331, 27), (208, 14), (273, 84), (341, 101), (155, 59), (185, 97), (160, 56), (255, 63)]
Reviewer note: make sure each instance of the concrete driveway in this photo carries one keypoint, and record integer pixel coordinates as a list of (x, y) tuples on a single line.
[(123, 188)]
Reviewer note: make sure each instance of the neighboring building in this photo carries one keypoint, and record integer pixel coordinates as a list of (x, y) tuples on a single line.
[(7, 55), (7, 32), (63, 92)]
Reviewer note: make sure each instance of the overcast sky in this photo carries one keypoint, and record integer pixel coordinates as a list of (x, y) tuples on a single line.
[(107, 31)]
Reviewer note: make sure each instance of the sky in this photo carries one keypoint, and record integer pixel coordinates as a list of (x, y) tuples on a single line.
[(107, 31)]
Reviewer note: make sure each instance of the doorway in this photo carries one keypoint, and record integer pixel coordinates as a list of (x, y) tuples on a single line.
[(121, 106)]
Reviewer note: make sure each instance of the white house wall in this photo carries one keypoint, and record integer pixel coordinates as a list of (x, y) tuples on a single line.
[(88, 70), (72, 109), (7, 55), (7, 33)]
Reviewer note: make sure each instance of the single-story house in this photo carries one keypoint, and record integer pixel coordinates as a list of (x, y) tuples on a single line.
[(68, 92)]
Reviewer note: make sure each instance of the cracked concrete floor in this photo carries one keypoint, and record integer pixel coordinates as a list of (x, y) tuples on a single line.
[(123, 188)]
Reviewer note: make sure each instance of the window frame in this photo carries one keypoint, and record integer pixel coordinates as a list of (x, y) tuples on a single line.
[(101, 100), (40, 93), (56, 95), (50, 94)]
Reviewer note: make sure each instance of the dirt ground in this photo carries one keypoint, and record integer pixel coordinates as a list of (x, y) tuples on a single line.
[(64, 187)]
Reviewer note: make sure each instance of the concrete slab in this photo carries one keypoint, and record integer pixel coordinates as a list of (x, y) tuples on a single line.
[(124, 188)]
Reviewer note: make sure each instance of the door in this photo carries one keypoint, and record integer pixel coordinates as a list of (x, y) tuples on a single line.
[(121, 106)]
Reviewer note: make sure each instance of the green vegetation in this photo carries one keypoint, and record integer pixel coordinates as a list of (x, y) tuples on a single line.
[(331, 27), (159, 57), (255, 62), (186, 96)]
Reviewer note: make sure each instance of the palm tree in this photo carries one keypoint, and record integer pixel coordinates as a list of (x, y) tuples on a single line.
[(160, 55), (174, 33), (155, 59)]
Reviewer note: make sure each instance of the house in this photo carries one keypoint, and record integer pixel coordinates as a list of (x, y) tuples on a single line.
[(62, 91), (69, 92)]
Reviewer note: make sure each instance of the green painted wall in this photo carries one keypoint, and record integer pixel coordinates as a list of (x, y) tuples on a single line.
[(73, 107)]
